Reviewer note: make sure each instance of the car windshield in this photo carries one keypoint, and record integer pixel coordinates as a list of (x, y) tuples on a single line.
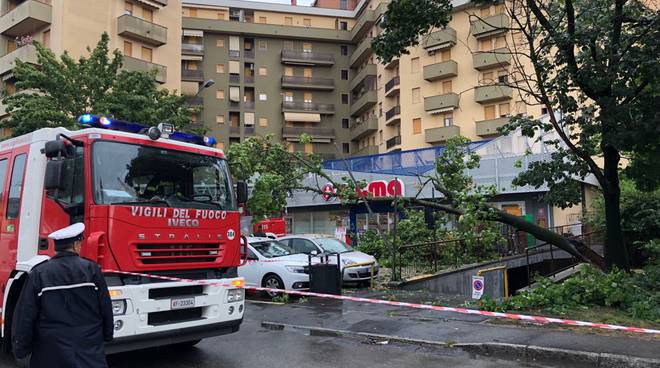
[(151, 176), (272, 249), (332, 245)]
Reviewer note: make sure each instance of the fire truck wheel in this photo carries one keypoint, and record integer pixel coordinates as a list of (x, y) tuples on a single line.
[(187, 344), (272, 281)]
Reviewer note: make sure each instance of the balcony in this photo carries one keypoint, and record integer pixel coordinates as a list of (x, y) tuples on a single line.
[(440, 40), (312, 107), (437, 71), (248, 130), (493, 93), (441, 134), (392, 87), (196, 75), (293, 57), (393, 64), (234, 78), (133, 64), (364, 103), (393, 116), (361, 53), (26, 18), (488, 128), (308, 83), (192, 49), (483, 60), (139, 29), (490, 26), (248, 79), (248, 105), (366, 151), (441, 103), (234, 131), (369, 70), (358, 131), (366, 21), (27, 54), (194, 100), (248, 54), (292, 134), (393, 142), (234, 54)]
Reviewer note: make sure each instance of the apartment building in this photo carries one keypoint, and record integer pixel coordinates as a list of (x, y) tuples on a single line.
[(287, 69), (148, 32)]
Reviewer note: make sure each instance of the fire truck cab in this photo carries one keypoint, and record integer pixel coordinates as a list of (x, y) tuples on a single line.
[(154, 202)]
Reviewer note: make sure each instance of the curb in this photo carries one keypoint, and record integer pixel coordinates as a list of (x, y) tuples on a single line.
[(501, 350)]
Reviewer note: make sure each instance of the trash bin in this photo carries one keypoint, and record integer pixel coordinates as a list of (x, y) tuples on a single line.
[(324, 277)]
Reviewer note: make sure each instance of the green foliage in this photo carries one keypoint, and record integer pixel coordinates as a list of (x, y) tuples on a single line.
[(60, 89), (281, 298)]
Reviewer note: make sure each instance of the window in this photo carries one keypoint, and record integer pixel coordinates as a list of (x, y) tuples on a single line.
[(128, 48), (288, 21), (544, 111), (417, 126), (263, 122), (262, 20), (309, 148), (502, 76), (380, 109), (220, 42), (263, 71), (288, 96), (307, 97), (499, 9), (344, 50), (343, 25), (302, 245), (344, 123), (344, 74), (16, 187), (147, 54), (263, 45), (248, 118), (489, 112), (487, 77), (344, 98), (448, 119), (446, 87), (505, 109), (445, 55), (416, 95), (307, 72), (234, 43), (220, 94), (263, 97), (193, 13), (307, 22), (287, 45), (414, 65), (380, 137), (222, 15), (128, 7), (307, 47), (234, 67), (148, 14), (220, 119), (46, 39), (3, 171), (486, 45), (345, 147), (500, 42), (485, 12), (220, 68), (288, 71)]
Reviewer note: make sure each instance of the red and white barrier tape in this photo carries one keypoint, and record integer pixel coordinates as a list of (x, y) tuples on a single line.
[(522, 317)]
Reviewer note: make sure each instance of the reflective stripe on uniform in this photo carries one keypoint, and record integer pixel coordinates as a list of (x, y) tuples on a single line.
[(72, 286)]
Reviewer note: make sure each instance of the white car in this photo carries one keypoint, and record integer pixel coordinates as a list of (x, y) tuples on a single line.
[(273, 265), (309, 243)]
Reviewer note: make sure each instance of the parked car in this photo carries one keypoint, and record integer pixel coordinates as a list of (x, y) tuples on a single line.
[(273, 265), (309, 243)]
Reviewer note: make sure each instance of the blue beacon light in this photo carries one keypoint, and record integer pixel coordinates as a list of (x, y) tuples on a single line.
[(210, 141)]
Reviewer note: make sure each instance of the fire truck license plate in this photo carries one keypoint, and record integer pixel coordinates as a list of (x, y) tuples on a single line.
[(183, 303)]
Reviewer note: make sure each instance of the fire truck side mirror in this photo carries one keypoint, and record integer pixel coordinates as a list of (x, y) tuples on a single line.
[(241, 192), (54, 178), (56, 148)]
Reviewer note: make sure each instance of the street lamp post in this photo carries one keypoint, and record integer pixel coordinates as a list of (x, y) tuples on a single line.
[(204, 86)]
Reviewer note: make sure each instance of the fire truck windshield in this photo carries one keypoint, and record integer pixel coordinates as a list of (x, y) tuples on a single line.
[(151, 176)]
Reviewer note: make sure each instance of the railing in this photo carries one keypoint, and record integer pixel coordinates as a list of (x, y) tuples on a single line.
[(248, 105), (396, 110), (248, 79), (194, 100), (47, 2), (235, 54), (234, 78), (248, 130), (308, 56), (314, 132), (288, 79), (248, 54), (307, 106), (235, 130), (392, 83), (190, 73), (192, 47), (392, 142)]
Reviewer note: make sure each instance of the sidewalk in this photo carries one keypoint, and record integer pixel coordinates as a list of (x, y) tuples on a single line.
[(469, 332)]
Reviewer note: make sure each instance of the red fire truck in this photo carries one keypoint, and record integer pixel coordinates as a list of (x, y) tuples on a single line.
[(153, 200)]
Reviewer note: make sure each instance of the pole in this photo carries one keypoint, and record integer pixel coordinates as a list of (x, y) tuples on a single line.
[(394, 238)]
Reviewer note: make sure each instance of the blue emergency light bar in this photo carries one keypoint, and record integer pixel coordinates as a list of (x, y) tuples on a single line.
[(95, 121)]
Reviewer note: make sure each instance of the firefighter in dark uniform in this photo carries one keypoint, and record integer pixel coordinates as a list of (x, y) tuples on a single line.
[(64, 313)]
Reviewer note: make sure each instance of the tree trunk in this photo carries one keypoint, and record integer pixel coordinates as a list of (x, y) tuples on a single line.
[(616, 253)]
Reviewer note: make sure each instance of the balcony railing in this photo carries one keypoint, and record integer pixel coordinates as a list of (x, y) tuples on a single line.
[(443, 69), (248, 105), (315, 107), (234, 78), (26, 18), (192, 75), (393, 142), (490, 26), (393, 112), (248, 54), (234, 130), (362, 52), (134, 64), (27, 54), (389, 86), (234, 54), (248, 130), (492, 93), (489, 128), (293, 133), (194, 100), (192, 48), (139, 29), (441, 134), (483, 60), (439, 103), (307, 82), (360, 130), (307, 58), (440, 40), (249, 79)]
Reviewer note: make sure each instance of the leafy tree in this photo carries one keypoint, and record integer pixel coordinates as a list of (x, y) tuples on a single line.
[(594, 64), (58, 90)]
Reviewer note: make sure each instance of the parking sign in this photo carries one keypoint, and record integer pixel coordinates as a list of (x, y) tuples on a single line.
[(477, 287)]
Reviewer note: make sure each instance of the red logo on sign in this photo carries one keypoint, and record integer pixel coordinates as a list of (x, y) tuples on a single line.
[(330, 190), (374, 189)]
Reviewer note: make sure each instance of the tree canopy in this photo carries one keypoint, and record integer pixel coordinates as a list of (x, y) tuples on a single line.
[(58, 90), (594, 65)]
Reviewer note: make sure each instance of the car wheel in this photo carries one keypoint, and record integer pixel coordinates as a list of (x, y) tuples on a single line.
[(272, 282)]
